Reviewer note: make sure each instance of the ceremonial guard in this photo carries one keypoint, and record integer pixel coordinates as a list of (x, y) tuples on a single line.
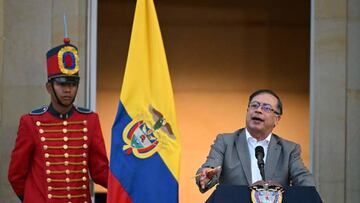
[(59, 146)]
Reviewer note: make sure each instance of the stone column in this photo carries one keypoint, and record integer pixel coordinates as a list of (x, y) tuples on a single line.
[(26, 38), (335, 99), (352, 171)]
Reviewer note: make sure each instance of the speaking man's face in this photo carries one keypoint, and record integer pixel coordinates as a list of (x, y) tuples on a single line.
[(262, 115)]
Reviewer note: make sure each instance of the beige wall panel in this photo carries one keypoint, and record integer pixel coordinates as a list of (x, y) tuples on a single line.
[(353, 142), (26, 38), (1, 52), (353, 103), (329, 90)]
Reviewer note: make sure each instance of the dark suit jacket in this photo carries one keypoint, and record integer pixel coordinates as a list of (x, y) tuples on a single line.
[(283, 163)]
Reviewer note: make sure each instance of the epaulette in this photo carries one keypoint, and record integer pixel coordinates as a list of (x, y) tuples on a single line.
[(39, 111), (83, 110)]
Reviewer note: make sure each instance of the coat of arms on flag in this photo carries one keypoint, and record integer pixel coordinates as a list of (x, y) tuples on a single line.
[(142, 136)]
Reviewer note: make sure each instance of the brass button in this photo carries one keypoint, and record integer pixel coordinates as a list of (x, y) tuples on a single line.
[(66, 163), (84, 155), (66, 155), (45, 147), (65, 123), (47, 155), (48, 172), (84, 187), (38, 123), (47, 163), (49, 196), (69, 196), (85, 146), (85, 130), (65, 146), (41, 131), (49, 188), (84, 163), (48, 180), (85, 138), (66, 139), (67, 180), (84, 122), (67, 171), (84, 170), (64, 130), (42, 139), (68, 188), (84, 178)]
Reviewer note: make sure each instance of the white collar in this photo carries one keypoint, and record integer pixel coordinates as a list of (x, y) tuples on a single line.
[(252, 139)]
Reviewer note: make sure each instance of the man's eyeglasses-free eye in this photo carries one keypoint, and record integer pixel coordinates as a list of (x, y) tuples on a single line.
[(265, 107)]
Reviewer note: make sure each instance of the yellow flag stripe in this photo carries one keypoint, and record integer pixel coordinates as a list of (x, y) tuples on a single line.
[(147, 81)]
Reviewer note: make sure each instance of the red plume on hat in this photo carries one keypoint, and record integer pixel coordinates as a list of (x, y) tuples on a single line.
[(63, 61)]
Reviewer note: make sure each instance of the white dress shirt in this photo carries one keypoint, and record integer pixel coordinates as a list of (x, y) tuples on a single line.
[(252, 144)]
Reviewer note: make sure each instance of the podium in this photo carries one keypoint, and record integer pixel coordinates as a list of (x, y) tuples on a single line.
[(241, 194)]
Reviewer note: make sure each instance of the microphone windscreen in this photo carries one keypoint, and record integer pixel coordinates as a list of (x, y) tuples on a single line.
[(259, 150)]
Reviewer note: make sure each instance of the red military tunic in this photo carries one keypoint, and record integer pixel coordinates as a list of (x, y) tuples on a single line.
[(54, 155)]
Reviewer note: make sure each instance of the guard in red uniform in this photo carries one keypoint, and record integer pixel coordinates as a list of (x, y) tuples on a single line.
[(59, 147)]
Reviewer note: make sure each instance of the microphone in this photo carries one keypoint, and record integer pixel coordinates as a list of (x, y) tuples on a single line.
[(259, 154)]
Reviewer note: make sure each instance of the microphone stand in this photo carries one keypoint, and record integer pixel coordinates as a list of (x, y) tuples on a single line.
[(259, 154)]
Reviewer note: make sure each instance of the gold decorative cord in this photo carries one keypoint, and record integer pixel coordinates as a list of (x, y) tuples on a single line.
[(64, 130), (67, 180), (66, 155), (66, 163), (69, 196), (64, 123), (43, 139), (66, 171), (84, 146), (68, 188)]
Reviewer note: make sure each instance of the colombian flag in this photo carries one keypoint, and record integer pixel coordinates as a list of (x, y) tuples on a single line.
[(145, 145)]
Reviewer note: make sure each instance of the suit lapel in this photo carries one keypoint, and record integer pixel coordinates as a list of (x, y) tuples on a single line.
[(243, 151), (272, 158)]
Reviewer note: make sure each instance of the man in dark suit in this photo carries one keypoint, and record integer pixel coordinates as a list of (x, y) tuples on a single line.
[(232, 156)]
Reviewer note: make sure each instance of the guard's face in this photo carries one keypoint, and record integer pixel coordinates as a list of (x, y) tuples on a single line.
[(66, 92), (261, 117)]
